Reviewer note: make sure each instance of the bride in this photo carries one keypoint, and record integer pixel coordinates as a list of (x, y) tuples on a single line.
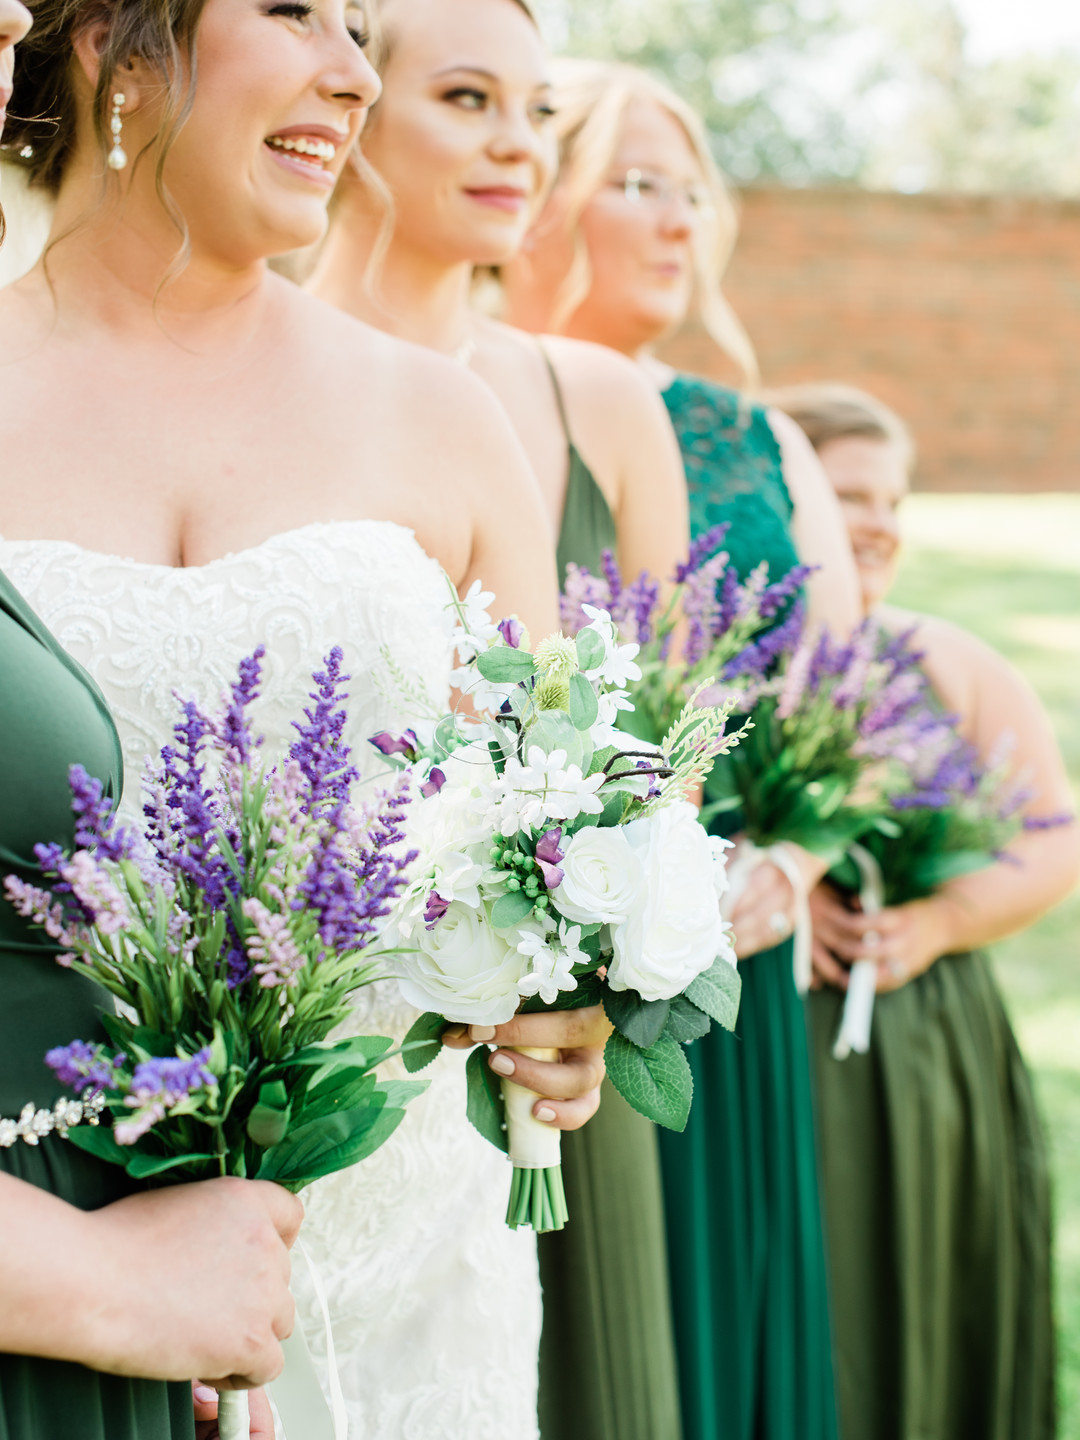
[(198, 458)]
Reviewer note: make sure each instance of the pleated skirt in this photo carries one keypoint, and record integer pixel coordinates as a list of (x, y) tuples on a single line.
[(607, 1355), (744, 1228), (937, 1201)]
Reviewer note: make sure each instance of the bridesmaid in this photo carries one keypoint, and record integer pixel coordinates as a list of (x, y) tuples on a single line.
[(461, 143), (633, 238), (69, 1356), (934, 1166)]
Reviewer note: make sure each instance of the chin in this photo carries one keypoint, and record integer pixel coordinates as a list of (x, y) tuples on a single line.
[(295, 227)]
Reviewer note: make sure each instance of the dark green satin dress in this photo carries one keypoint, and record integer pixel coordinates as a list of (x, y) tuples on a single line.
[(937, 1202), (745, 1246), (51, 716), (607, 1357)]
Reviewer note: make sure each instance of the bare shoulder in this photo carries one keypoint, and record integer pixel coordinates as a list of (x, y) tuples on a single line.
[(594, 375), (964, 670)]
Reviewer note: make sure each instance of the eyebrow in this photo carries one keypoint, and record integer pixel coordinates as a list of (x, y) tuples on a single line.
[(480, 70)]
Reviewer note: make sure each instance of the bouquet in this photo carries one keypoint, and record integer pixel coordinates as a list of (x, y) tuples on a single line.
[(232, 933), (560, 866), (718, 616)]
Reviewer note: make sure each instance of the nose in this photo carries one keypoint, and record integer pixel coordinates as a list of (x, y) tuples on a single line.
[(349, 77), (678, 217), (15, 21), (517, 139)]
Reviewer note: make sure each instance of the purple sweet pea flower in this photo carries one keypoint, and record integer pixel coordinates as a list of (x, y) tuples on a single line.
[(433, 784), (435, 909), (406, 744), (548, 855), (512, 631)]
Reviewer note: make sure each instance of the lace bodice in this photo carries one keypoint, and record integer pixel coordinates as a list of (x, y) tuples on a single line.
[(733, 473), (436, 1304)]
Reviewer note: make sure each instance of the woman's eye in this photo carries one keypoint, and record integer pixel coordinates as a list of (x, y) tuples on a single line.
[(467, 97), (298, 11), (361, 38), (543, 113)]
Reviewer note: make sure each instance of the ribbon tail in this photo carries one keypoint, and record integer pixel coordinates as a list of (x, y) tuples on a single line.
[(803, 935), (297, 1394), (858, 1017)]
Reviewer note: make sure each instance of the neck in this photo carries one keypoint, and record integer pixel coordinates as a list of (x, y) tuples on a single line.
[(110, 261), (412, 294)]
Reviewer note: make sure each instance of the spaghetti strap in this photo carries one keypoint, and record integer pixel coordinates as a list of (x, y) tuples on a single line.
[(557, 388)]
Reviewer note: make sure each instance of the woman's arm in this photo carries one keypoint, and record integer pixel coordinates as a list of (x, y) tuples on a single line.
[(91, 1286), (996, 704), (821, 536)]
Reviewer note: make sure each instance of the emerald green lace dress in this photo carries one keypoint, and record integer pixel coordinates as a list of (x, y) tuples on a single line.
[(607, 1356), (51, 716), (744, 1229)]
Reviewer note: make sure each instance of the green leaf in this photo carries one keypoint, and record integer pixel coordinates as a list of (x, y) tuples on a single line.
[(117, 1029), (686, 1021), (717, 993), (346, 1087), (657, 1082), (446, 739), (142, 1167), (484, 1105), (584, 706), (510, 908), (269, 1118), (502, 664), (641, 1021), (590, 649), (305, 1150), (425, 1034), (368, 1049), (98, 1140)]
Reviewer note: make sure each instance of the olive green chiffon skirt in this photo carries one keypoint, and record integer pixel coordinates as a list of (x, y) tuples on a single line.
[(607, 1359), (744, 1226), (938, 1216)]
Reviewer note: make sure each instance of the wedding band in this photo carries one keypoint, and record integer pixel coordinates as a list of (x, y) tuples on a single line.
[(779, 924), (871, 938)]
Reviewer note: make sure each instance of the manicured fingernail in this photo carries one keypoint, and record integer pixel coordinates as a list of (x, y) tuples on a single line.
[(453, 1032), (482, 1032), (205, 1395), (546, 1114), (502, 1064)]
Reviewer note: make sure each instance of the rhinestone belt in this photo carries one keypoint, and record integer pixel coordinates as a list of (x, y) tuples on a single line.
[(32, 1124)]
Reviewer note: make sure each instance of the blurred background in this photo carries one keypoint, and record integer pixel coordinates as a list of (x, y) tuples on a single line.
[(909, 182)]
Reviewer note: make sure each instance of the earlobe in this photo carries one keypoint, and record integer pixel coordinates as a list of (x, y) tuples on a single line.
[(90, 45)]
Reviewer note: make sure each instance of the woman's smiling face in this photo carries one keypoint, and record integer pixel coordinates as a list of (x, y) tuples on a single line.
[(461, 135), (280, 96), (870, 480)]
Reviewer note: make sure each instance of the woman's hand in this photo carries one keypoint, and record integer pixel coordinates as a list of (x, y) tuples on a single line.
[(206, 1408), (570, 1086), (904, 940), (764, 914)]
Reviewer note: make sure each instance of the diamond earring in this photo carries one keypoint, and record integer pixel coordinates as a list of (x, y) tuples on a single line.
[(117, 156)]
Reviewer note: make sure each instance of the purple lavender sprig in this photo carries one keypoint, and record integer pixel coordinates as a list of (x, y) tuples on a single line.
[(321, 751), (82, 1066)]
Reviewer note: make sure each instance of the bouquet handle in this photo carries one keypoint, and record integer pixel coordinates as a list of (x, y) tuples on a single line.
[(536, 1190), (858, 1015)]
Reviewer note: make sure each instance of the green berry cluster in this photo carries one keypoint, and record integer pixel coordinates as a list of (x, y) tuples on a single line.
[(521, 873)]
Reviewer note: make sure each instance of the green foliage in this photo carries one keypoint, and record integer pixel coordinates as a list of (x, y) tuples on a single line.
[(641, 1021), (502, 664), (657, 1082), (484, 1104), (584, 707), (686, 1021), (425, 1035), (717, 992)]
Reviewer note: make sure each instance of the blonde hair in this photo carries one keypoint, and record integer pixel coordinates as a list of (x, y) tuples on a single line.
[(591, 100), (830, 411)]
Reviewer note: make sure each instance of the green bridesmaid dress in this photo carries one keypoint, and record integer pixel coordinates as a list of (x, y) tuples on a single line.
[(52, 716), (937, 1203), (744, 1228), (607, 1356)]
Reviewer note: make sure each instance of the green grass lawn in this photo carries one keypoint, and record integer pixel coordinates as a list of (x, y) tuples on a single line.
[(1008, 568)]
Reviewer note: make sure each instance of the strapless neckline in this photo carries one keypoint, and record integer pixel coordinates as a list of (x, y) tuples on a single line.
[(280, 537)]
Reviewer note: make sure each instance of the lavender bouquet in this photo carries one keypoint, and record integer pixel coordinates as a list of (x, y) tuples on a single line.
[(232, 933), (561, 866), (725, 624)]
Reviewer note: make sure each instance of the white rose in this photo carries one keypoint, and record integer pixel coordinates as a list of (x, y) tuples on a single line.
[(674, 931), (601, 877), (464, 969)]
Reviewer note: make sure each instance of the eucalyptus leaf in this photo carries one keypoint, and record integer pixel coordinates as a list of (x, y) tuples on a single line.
[(484, 1105), (686, 1021), (425, 1034), (590, 649), (641, 1021), (502, 664), (584, 706), (717, 992), (657, 1082)]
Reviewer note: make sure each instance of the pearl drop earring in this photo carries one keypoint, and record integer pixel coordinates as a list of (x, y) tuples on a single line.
[(117, 156)]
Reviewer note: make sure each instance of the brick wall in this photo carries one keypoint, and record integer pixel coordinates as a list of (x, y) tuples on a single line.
[(961, 312)]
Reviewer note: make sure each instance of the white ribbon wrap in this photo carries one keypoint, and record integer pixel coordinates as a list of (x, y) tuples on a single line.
[(858, 1016), (745, 860), (533, 1145)]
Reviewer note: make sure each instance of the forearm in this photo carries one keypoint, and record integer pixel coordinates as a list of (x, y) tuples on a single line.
[(49, 1275), (991, 904)]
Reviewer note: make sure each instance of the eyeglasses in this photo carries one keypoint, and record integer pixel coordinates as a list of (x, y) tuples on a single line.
[(641, 188)]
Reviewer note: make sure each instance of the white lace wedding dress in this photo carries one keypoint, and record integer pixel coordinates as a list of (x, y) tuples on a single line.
[(435, 1302)]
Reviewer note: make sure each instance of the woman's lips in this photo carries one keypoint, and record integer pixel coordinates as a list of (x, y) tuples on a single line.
[(499, 197)]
